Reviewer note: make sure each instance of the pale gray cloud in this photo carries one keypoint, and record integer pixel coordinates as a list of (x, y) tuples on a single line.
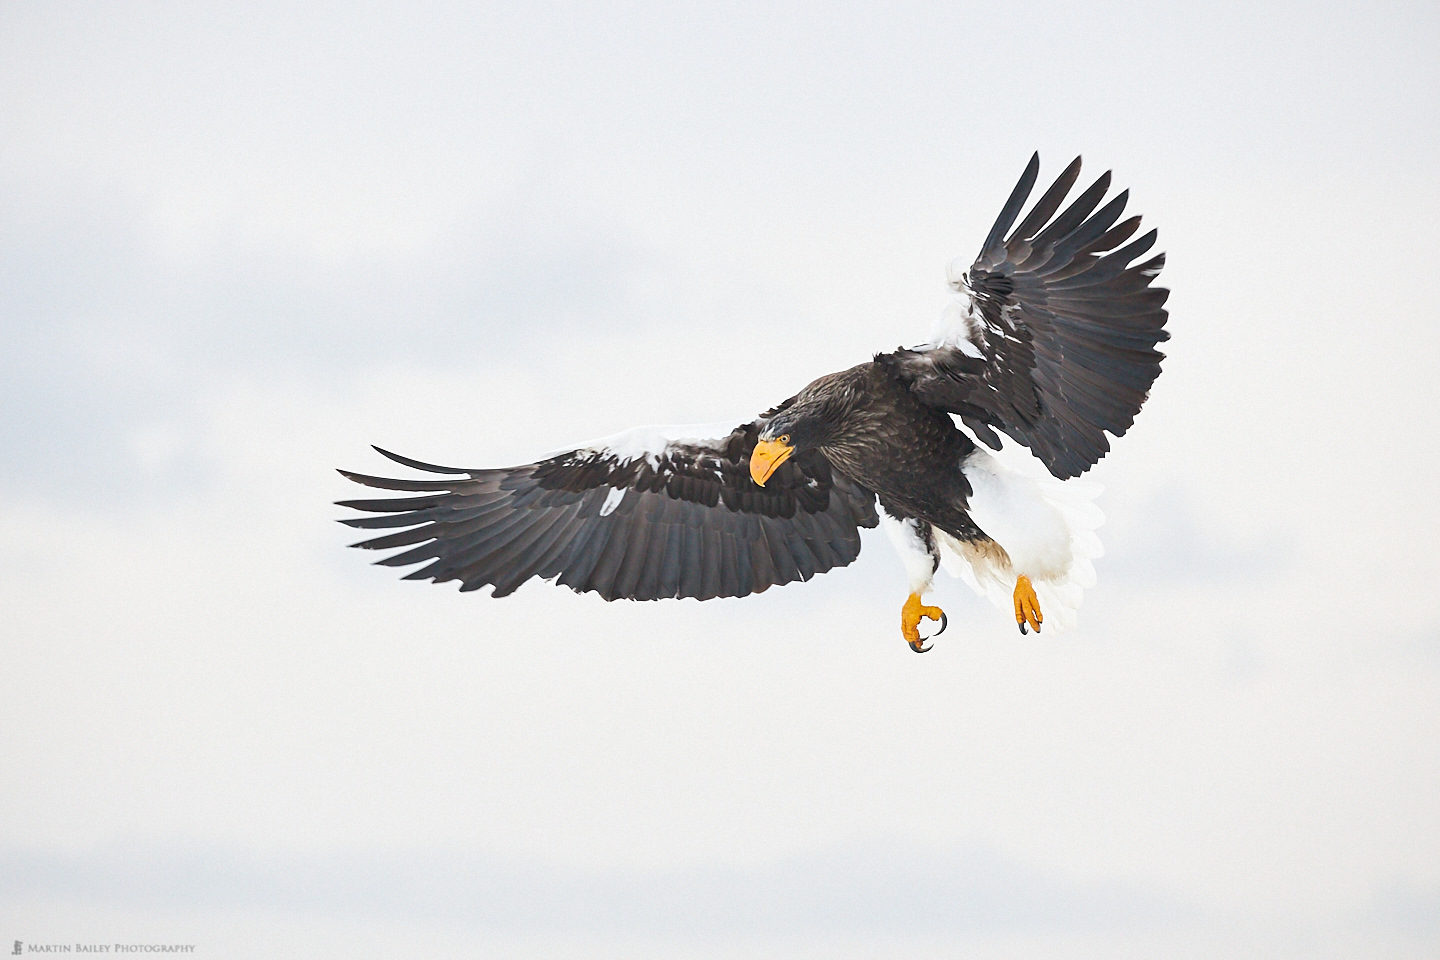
[(1161, 541), (865, 888)]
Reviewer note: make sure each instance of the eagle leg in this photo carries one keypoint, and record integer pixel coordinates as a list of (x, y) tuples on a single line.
[(910, 616), (1027, 605)]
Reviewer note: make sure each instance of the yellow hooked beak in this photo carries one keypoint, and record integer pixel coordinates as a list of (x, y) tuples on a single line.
[(766, 458)]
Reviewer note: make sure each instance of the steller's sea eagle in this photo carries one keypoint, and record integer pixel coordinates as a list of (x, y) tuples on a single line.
[(1050, 341)]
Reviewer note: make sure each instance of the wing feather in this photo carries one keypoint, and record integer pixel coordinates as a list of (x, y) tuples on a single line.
[(640, 516), (1046, 206), (1059, 325)]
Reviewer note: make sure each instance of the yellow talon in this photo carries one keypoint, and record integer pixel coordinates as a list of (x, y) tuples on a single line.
[(1027, 605), (910, 616)]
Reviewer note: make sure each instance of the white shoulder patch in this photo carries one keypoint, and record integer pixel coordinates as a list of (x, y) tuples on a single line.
[(650, 442), (612, 500), (958, 327), (955, 272)]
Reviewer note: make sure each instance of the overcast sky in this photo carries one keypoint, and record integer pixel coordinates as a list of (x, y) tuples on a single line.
[(239, 243)]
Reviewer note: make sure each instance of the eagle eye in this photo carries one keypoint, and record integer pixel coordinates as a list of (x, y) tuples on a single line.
[(783, 438)]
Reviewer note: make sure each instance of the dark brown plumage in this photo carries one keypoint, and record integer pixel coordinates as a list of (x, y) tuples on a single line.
[(1054, 345), (689, 523)]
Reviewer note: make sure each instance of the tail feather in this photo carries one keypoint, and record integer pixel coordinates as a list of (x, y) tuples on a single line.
[(1045, 529)]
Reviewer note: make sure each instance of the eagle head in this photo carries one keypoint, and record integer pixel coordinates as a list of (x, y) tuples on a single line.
[(818, 416), (800, 427)]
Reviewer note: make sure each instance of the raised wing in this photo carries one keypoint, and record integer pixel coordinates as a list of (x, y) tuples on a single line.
[(639, 516), (1053, 338)]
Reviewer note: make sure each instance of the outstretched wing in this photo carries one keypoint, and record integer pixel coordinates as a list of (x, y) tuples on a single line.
[(639, 516), (1052, 340)]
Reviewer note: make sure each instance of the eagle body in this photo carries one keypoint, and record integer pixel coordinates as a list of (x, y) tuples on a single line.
[(1050, 341), (908, 453)]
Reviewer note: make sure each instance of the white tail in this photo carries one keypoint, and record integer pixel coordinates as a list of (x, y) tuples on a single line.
[(1045, 529)]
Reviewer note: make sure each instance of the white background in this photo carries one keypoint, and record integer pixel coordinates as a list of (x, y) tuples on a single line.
[(240, 242)]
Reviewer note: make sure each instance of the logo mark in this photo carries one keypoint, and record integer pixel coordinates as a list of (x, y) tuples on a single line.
[(16, 951)]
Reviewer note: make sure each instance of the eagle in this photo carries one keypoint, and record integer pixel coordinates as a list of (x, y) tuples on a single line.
[(1050, 339)]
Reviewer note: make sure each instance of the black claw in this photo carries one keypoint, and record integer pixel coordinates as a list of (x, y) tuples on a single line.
[(1037, 627), (918, 648), (1023, 631), (944, 622)]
